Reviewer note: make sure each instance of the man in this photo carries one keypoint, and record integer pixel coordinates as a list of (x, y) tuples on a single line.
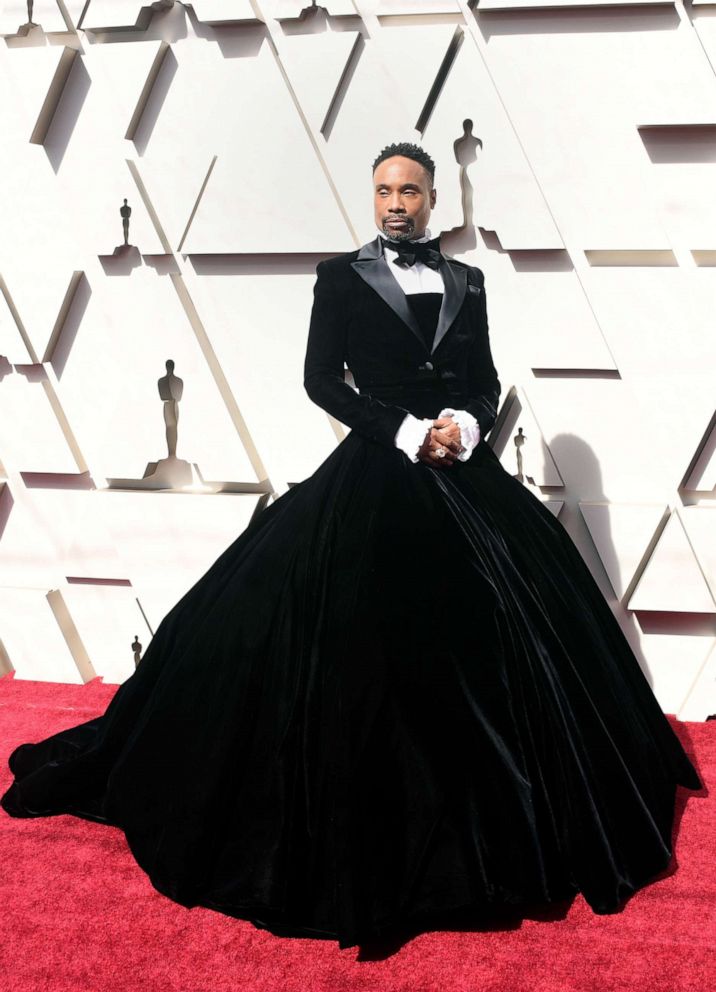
[(361, 315), (399, 694)]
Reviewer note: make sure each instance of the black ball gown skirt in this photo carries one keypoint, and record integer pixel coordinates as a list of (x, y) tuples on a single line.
[(398, 693)]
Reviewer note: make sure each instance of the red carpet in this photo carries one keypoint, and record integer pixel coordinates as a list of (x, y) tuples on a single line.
[(79, 914)]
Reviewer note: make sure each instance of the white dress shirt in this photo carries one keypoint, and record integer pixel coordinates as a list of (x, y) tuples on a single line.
[(420, 278)]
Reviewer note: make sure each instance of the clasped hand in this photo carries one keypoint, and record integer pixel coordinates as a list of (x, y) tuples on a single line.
[(444, 433)]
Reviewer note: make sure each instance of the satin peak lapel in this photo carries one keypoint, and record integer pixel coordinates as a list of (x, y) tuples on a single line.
[(455, 280), (371, 265)]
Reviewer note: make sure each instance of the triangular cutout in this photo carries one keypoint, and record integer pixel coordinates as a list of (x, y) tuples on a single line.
[(673, 580)]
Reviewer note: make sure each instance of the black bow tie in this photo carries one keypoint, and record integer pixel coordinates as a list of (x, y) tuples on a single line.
[(409, 252)]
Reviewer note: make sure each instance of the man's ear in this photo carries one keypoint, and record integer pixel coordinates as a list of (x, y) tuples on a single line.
[(433, 196)]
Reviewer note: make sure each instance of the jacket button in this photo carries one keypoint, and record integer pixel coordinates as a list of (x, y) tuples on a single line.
[(428, 366)]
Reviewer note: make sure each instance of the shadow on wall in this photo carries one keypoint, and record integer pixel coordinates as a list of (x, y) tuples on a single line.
[(67, 111), (573, 20)]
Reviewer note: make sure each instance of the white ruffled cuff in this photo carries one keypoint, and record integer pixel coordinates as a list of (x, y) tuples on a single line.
[(411, 434), (469, 430)]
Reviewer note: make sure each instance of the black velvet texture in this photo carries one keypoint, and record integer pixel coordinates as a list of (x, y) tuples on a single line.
[(399, 692), (426, 307)]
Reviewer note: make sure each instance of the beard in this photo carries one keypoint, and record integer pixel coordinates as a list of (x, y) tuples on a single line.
[(400, 235)]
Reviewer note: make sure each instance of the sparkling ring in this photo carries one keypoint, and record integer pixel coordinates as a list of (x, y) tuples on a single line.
[(441, 452)]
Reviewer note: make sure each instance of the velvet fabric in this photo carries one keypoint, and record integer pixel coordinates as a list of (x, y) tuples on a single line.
[(399, 692), (426, 307), (369, 324)]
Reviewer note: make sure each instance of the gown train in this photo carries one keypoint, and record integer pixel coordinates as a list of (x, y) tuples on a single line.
[(399, 691)]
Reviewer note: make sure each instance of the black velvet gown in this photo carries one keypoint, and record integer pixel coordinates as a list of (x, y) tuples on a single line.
[(398, 693)]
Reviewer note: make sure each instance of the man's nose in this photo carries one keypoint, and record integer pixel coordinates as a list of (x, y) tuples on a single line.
[(395, 202)]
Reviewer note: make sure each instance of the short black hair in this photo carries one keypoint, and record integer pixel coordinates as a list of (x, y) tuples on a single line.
[(409, 150)]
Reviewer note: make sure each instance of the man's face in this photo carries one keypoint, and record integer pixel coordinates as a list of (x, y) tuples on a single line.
[(403, 198)]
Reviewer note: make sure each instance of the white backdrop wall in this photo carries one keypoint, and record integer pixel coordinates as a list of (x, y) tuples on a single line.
[(575, 145)]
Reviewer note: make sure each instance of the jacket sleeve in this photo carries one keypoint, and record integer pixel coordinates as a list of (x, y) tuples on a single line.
[(323, 369), (483, 384)]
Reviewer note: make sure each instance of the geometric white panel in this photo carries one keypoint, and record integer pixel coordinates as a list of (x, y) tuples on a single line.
[(252, 202), (518, 5), (501, 176), (29, 552), (577, 122), (169, 540), (32, 638), (702, 475), (538, 465), (107, 619), (120, 13), (131, 326), (675, 669), (242, 218), (52, 534), (118, 74), (569, 336), (69, 214), (289, 9), (397, 7), (681, 179), (673, 580), (30, 72), (315, 64), (704, 24), (700, 525), (223, 11), (12, 345), (701, 699), (67, 626), (75, 9), (46, 13), (621, 535), (554, 506), (659, 327), (603, 441), (258, 324), (31, 439)]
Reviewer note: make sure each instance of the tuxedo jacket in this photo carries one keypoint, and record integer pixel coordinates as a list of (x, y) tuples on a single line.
[(361, 317)]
